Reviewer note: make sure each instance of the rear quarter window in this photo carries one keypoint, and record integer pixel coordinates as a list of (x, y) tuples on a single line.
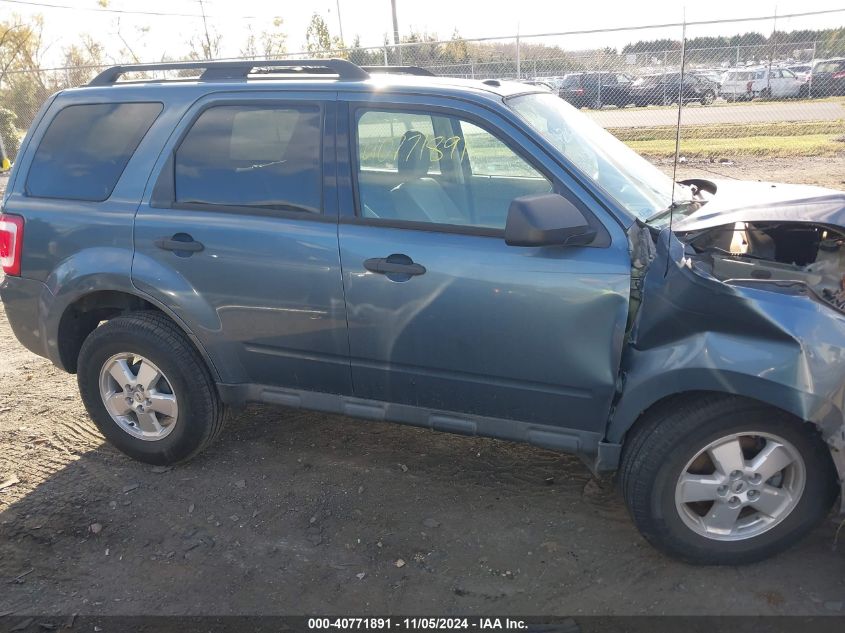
[(86, 148)]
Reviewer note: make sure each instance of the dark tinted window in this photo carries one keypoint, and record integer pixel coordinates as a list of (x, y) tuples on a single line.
[(257, 156), (571, 81), (86, 148)]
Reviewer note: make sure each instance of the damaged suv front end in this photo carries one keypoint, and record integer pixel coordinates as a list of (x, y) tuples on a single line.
[(745, 294), (736, 313)]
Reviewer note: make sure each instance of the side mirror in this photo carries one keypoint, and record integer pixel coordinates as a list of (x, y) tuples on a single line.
[(546, 220)]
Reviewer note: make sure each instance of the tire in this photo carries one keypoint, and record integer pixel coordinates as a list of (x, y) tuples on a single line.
[(185, 386), (766, 93), (708, 98), (660, 449)]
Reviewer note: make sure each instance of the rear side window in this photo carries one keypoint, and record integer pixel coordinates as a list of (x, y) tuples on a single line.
[(571, 81), (262, 156), (85, 149)]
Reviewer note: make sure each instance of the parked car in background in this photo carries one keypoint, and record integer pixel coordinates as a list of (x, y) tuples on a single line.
[(596, 89), (737, 84), (827, 78), (663, 89), (536, 82), (714, 76), (554, 82), (802, 71), (744, 84)]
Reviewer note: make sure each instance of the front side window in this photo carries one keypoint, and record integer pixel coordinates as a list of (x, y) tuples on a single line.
[(437, 169), (260, 156), (86, 148)]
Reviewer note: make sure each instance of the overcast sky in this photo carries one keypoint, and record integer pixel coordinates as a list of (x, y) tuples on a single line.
[(370, 19)]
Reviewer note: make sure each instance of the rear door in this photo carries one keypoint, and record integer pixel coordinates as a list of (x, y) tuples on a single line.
[(458, 321), (238, 236)]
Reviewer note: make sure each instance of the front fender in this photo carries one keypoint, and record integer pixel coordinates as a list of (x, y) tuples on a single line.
[(692, 332)]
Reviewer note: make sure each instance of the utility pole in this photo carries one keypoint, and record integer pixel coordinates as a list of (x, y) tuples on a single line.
[(205, 28), (340, 24), (396, 31)]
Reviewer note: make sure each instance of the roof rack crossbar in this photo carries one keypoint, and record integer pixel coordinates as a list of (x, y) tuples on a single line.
[(405, 70), (239, 69)]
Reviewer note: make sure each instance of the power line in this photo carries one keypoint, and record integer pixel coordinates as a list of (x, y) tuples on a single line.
[(50, 5)]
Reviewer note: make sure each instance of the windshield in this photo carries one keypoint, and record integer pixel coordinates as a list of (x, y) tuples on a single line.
[(626, 176)]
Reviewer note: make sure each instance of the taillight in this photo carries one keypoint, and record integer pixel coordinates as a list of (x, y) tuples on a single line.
[(11, 243), (839, 75), (579, 91), (748, 87)]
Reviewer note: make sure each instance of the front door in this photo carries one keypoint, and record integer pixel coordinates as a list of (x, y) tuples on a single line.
[(442, 313), (239, 238)]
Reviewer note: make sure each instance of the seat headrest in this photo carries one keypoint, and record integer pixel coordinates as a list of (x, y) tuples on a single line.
[(413, 156)]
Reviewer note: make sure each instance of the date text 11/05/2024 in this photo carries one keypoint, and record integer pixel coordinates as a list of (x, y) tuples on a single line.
[(432, 623)]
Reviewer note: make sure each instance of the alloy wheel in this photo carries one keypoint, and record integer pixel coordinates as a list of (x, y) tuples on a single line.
[(740, 486), (138, 397)]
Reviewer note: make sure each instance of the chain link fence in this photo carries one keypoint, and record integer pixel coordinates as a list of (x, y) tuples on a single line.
[(766, 92)]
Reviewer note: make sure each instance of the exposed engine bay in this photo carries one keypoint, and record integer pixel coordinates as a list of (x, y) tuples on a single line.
[(775, 252)]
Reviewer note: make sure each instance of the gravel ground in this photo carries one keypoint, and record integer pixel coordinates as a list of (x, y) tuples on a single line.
[(295, 512)]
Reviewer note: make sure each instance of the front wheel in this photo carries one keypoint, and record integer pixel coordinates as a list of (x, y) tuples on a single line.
[(724, 480)]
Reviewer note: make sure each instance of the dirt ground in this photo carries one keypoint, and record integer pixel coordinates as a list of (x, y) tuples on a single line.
[(295, 512), (824, 171)]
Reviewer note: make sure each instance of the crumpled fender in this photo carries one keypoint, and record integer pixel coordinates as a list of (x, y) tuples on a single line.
[(780, 345)]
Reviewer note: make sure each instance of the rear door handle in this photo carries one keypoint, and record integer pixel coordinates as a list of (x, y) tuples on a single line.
[(179, 242), (394, 264)]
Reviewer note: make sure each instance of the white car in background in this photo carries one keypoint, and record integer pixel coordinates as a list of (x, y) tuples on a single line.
[(802, 71), (744, 84)]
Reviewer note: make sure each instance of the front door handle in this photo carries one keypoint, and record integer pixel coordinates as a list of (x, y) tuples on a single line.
[(179, 242), (394, 264)]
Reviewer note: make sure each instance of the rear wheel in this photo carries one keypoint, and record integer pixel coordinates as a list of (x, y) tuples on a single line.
[(708, 98), (148, 390), (724, 480)]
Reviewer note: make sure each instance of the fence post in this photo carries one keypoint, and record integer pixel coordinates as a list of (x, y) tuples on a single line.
[(600, 78), (810, 78), (665, 61), (518, 68), (472, 68)]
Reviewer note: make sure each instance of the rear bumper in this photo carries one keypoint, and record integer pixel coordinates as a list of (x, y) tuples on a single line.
[(21, 301)]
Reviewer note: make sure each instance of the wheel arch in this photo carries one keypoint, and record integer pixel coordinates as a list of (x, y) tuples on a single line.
[(85, 312), (805, 407)]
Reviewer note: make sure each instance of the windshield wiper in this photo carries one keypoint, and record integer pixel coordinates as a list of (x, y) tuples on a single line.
[(692, 202), (665, 211)]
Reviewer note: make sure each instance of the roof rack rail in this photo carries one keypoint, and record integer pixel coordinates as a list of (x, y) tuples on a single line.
[(404, 70), (240, 69)]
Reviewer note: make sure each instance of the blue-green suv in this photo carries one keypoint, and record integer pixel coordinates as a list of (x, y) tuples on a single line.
[(469, 256)]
